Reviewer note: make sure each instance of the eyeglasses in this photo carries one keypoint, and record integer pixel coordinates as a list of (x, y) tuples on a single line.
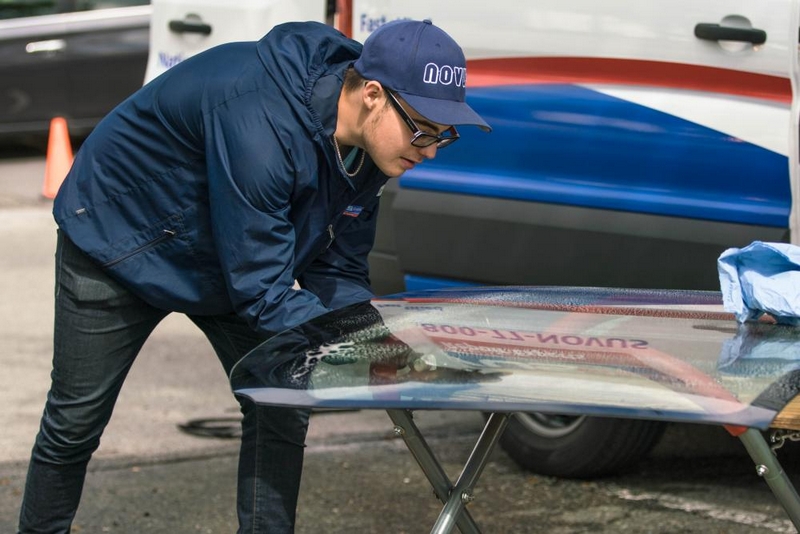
[(419, 138)]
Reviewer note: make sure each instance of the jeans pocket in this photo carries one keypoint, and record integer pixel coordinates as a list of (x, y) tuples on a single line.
[(79, 279)]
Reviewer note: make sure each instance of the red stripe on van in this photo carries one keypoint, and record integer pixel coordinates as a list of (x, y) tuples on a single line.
[(515, 71)]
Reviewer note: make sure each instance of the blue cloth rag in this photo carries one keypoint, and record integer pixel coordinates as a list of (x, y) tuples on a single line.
[(761, 278)]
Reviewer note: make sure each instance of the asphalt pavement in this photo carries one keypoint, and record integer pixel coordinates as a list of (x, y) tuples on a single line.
[(149, 476)]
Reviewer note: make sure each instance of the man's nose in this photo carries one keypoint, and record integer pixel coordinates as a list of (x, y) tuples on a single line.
[(429, 152)]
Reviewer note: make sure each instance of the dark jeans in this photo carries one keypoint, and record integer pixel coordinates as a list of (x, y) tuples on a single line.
[(99, 329)]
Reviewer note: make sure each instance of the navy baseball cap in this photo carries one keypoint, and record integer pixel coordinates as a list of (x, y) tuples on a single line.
[(425, 66)]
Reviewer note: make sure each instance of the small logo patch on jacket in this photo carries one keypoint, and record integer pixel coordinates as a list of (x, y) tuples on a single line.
[(353, 211)]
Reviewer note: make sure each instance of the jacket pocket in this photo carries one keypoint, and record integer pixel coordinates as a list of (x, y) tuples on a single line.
[(159, 233)]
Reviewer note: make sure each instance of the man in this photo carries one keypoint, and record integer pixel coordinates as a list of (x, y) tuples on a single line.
[(240, 188)]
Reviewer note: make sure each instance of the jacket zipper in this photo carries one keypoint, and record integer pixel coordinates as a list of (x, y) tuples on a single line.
[(331, 237), (166, 234)]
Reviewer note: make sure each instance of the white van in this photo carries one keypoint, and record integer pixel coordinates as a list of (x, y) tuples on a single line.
[(181, 28), (633, 142)]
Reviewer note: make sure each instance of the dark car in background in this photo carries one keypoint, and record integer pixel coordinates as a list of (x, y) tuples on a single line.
[(71, 58)]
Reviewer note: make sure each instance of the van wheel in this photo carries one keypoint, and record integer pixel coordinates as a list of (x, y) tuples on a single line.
[(578, 447)]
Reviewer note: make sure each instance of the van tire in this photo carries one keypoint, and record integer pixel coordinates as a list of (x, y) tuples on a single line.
[(578, 447)]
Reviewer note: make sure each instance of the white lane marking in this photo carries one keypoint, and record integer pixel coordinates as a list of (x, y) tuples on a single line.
[(713, 511)]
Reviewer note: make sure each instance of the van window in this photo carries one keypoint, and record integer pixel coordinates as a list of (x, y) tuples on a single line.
[(88, 5), (12, 9)]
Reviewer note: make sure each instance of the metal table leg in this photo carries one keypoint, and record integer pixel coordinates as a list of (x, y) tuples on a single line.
[(769, 469), (455, 497), (462, 492), (407, 429)]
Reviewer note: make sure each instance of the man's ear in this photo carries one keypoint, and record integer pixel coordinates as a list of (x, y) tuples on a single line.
[(372, 94)]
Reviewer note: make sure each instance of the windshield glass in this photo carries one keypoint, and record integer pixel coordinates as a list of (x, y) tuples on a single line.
[(662, 355)]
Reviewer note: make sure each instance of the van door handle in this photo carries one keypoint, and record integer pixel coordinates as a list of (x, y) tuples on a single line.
[(183, 26), (46, 47), (715, 32)]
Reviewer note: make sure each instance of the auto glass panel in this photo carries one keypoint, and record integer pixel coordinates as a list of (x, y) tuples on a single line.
[(661, 355)]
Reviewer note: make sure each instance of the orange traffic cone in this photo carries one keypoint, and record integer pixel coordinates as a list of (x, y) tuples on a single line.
[(59, 157)]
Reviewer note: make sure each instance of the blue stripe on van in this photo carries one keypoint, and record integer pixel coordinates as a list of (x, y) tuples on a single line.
[(420, 283), (567, 144)]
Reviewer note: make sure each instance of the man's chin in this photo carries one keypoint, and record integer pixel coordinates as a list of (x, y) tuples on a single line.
[(394, 172)]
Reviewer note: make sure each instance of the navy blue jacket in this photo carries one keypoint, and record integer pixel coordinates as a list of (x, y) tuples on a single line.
[(215, 186)]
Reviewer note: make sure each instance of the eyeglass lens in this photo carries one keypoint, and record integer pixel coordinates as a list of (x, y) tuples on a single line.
[(419, 138)]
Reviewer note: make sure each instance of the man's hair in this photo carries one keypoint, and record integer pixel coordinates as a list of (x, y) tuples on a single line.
[(353, 81)]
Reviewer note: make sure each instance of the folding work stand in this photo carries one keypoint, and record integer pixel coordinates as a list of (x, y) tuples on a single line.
[(770, 470), (456, 496), (670, 356)]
